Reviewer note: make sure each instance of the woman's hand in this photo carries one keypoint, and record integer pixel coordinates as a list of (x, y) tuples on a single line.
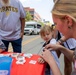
[(46, 55), (53, 47)]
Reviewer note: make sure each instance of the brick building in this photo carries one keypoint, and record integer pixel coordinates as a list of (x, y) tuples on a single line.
[(34, 14)]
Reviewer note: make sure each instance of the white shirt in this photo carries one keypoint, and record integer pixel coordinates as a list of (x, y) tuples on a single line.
[(53, 41)]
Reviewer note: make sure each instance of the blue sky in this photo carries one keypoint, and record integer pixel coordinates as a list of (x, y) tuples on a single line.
[(43, 7)]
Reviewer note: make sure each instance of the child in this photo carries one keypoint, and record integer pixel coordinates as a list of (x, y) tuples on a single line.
[(46, 34)]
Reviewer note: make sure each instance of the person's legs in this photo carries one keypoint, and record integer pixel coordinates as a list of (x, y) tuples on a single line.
[(17, 45), (6, 43), (67, 66)]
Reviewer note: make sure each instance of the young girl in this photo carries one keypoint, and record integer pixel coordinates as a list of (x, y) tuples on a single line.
[(46, 34)]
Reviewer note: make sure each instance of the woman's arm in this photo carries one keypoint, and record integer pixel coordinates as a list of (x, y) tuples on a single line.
[(47, 56), (62, 40), (68, 53)]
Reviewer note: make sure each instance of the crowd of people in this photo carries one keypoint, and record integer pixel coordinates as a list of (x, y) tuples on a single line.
[(12, 22), (63, 14)]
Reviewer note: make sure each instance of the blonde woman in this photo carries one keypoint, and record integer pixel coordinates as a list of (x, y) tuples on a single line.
[(64, 16), (70, 44)]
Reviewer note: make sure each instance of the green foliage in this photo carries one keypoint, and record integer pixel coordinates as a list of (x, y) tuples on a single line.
[(41, 23), (28, 16)]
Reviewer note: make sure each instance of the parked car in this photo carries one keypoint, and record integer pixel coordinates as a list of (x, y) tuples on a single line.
[(32, 27)]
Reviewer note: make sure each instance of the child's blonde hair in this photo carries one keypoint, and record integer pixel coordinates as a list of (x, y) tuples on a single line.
[(46, 28)]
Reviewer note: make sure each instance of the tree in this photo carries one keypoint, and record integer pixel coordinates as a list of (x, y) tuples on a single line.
[(28, 16), (41, 23)]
